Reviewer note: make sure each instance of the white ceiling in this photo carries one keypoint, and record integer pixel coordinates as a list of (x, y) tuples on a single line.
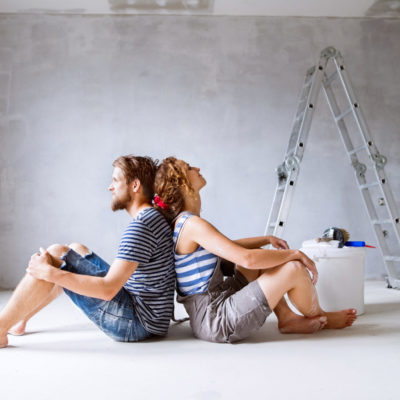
[(314, 8)]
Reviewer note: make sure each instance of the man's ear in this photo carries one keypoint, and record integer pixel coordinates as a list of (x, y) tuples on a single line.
[(135, 185)]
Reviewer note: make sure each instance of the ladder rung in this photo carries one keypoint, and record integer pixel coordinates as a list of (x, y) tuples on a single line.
[(368, 185), (272, 225), (359, 148), (329, 80), (343, 114), (392, 258), (381, 221)]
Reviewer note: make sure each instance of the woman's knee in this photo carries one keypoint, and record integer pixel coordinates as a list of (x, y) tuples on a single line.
[(296, 270), (79, 248), (277, 281)]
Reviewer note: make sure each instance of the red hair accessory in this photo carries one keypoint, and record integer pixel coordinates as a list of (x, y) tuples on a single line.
[(157, 200)]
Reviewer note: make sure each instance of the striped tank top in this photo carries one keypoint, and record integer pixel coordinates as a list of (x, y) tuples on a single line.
[(193, 270)]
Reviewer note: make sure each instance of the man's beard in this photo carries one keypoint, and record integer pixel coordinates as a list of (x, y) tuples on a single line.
[(120, 203)]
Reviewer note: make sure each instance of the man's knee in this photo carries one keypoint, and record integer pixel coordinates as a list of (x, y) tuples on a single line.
[(79, 248), (57, 250)]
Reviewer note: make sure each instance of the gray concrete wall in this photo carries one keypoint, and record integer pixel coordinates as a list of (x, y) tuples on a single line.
[(76, 92)]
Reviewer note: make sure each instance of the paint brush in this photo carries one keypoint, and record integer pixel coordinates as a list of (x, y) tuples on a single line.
[(337, 234)]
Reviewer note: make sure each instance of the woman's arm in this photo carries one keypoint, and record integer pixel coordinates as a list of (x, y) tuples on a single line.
[(259, 241), (206, 235)]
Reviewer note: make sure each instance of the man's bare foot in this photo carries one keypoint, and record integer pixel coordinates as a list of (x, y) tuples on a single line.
[(18, 329), (299, 324), (3, 341), (340, 319)]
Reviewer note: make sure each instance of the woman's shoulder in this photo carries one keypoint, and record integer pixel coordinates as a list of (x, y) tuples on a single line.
[(186, 215), (188, 220)]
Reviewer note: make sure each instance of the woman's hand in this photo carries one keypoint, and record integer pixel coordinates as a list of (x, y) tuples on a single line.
[(305, 260), (278, 243), (40, 266), (309, 264)]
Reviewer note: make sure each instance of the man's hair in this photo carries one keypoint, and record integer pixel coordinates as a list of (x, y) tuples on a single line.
[(142, 168)]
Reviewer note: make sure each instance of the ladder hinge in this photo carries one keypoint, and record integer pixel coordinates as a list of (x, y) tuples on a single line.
[(282, 173), (329, 52), (359, 167), (292, 163), (380, 160)]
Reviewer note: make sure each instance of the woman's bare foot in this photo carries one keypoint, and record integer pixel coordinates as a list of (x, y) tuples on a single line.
[(18, 329), (299, 324), (340, 319)]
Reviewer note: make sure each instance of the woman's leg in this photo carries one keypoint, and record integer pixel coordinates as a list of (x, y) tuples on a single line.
[(293, 278), (288, 321)]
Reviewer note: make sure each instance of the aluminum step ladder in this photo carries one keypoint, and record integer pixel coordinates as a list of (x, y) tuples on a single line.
[(330, 74)]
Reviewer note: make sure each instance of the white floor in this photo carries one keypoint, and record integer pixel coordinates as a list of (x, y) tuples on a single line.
[(64, 357)]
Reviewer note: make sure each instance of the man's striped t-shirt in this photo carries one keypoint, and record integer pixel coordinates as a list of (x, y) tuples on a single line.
[(148, 241)]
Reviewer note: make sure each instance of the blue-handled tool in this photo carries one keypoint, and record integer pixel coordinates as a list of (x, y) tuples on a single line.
[(358, 244)]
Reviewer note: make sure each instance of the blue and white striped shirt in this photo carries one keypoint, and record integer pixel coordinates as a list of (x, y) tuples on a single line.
[(193, 270), (148, 241)]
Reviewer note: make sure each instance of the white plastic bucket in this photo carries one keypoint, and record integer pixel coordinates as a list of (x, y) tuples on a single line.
[(340, 276)]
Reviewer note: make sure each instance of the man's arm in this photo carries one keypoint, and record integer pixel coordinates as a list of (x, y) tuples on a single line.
[(104, 288)]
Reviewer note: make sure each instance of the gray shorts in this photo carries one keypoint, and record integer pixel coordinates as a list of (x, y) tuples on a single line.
[(229, 311)]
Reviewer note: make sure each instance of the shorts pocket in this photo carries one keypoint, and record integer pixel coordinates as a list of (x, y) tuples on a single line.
[(116, 327)]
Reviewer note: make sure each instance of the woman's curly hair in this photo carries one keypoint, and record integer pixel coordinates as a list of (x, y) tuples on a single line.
[(170, 185)]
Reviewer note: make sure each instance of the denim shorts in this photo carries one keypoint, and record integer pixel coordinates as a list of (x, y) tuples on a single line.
[(117, 317)]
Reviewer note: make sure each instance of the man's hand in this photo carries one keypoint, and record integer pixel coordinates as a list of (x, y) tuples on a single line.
[(40, 266), (309, 264), (278, 243)]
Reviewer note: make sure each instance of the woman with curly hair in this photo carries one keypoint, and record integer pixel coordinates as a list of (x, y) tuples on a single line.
[(228, 309)]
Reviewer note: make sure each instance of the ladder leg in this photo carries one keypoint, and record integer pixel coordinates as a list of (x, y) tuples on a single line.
[(288, 171)]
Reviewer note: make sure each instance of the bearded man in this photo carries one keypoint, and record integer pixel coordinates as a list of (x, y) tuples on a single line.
[(130, 300)]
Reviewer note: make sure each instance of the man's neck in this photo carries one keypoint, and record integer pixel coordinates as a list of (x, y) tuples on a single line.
[(137, 206)]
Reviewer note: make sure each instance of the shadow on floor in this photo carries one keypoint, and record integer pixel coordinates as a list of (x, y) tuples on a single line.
[(62, 329), (381, 308), (181, 332)]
